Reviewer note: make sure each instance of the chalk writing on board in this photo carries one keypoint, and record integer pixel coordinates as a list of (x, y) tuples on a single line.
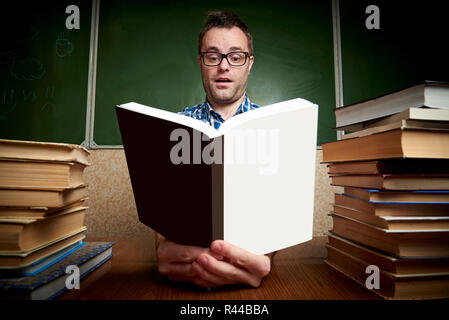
[(49, 94), (28, 95), (63, 46), (10, 98), (8, 103)]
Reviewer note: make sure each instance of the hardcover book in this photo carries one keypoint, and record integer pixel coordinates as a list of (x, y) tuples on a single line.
[(398, 143), (26, 234), (23, 174), (392, 285), (425, 116), (41, 197), (37, 212), (377, 208), (389, 263), (429, 94), (397, 243), (52, 282), (402, 125), (42, 264), (394, 181), (19, 262), (406, 223), (43, 151), (251, 182), (390, 166), (412, 196)]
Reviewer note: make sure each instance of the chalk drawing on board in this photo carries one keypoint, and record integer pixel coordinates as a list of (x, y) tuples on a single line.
[(63, 45), (28, 69)]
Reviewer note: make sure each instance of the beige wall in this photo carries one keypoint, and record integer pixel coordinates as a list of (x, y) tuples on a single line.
[(112, 210)]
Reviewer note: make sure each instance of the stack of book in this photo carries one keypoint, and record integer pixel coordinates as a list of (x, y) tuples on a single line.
[(394, 209), (42, 211)]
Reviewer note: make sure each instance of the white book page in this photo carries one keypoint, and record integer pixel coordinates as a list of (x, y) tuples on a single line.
[(171, 116), (284, 106), (211, 132), (268, 200)]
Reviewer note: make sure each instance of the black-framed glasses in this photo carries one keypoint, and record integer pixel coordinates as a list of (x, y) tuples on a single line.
[(235, 58)]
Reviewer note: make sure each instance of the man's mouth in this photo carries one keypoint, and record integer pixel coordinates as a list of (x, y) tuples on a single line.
[(223, 80)]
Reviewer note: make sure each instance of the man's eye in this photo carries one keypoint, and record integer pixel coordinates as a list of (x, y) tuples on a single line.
[(213, 57), (236, 57)]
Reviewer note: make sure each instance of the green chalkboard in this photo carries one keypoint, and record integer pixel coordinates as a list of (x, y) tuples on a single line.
[(43, 71), (147, 53), (409, 47)]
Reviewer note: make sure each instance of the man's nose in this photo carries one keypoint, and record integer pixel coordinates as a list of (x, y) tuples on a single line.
[(224, 64)]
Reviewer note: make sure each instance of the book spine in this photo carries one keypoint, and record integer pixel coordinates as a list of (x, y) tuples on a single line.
[(217, 201)]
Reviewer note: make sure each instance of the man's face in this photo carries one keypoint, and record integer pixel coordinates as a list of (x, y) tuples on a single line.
[(225, 84)]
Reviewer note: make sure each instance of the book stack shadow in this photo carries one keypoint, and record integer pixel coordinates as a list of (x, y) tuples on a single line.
[(42, 219), (391, 221)]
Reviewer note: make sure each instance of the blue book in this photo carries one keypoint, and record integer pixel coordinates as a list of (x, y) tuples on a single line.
[(40, 265), (51, 283)]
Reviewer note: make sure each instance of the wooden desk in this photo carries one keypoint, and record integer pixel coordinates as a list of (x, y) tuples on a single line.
[(297, 273)]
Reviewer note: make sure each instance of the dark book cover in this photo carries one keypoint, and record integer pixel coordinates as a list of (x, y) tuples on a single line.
[(193, 191)]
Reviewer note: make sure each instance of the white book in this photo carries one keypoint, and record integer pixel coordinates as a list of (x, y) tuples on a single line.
[(431, 94), (251, 182)]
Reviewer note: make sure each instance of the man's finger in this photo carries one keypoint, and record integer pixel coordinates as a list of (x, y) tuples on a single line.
[(177, 269), (218, 280), (227, 273), (216, 255), (169, 251), (256, 264)]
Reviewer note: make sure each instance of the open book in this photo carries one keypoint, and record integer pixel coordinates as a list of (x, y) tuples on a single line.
[(251, 182)]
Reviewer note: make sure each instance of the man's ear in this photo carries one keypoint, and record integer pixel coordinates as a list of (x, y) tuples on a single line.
[(199, 60), (251, 61)]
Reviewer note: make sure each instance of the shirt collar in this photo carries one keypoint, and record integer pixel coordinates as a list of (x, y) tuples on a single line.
[(244, 106)]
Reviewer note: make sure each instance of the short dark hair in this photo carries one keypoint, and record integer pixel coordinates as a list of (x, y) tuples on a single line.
[(225, 19)]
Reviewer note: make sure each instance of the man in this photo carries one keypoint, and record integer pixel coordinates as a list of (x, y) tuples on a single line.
[(225, 58), (224, 76)]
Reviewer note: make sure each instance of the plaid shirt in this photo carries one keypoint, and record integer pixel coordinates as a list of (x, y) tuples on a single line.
[(204, 112)]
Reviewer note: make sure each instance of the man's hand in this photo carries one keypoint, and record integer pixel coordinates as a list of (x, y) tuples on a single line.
[(228, 264), (219, 265), (175, 260)]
